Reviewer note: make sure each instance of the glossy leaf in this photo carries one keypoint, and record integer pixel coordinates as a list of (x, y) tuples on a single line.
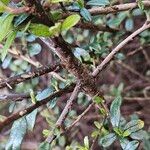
[(108, 139), (133, 126), (44, 94), (123, 142), (17, 134), (115, 111), (98, 2), (85, 14), (31, 118), (132, 145), (70, 22), (8, 43)]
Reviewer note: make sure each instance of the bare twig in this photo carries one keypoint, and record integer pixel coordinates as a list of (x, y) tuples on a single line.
[(28, 110), (26, 76), (119, 47), (80, 116), (117, 8), (68, 106), (65, 111)]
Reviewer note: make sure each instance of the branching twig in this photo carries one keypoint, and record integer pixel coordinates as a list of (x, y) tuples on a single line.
[(65, 111), (119, 47)]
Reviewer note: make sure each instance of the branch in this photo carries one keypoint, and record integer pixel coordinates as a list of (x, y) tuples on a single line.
[(26, 76), (17, 11), (65, 111), (117, 8), (119, 47), (90, 26), (68, 106), (28, 110)]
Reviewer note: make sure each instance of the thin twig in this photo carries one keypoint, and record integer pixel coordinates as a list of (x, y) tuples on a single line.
[(28, 75), (65, 111), (118, 48)]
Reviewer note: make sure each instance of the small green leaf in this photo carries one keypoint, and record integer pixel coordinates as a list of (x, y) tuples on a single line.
[(85, 14), (133, 126), (17, 134), (32, 95), (3, 7), (44, 94), (86, 142), (44, 146), (5, 1), (70, 22), (118, 131), (123, 142), (98, 100), (30, 118), (39, 30), (55, 30), (108, 139), (6, 25), (140, 4), (8, 43), (97, 124), (129, 24), (115, 111), (80, 3), (98, 2), (132, 145), (34, 49)]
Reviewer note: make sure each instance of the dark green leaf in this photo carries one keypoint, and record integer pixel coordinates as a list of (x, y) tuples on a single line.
[(20, 19), (8, 43), (44, 146), (85, 14), (108, 139), (98, 2), (17, 134), (115, 111)]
